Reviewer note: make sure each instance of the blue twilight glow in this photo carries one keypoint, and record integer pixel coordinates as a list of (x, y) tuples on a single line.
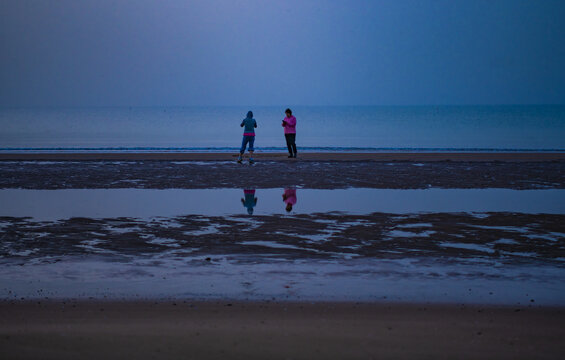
[(252, 52)]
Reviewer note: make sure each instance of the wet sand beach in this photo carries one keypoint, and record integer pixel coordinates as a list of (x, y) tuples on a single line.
[(333, 283), (275, 330), (204, 171), (307, 156)]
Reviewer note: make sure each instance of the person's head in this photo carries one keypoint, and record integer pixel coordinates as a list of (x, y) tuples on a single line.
[(250, 210), (288, 207), (288, 112), (250, 114)]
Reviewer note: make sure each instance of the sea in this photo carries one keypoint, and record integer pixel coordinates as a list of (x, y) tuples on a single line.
[(319, 128)]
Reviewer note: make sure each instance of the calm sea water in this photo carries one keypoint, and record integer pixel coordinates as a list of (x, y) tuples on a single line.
[(357, 128)]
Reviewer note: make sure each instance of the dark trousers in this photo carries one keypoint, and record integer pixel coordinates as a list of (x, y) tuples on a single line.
[(291, 143)]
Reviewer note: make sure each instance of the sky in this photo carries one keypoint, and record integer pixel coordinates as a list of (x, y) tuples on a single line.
[(248, 52)]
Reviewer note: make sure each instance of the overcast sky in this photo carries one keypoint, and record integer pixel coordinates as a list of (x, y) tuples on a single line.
[(182, 52)]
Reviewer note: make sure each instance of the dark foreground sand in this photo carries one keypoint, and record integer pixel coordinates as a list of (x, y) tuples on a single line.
[(252, 330)]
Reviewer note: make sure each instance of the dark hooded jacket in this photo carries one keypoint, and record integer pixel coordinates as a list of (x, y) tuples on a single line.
[(249, 125)]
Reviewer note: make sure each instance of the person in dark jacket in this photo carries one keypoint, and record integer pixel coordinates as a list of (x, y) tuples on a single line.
[(248, 124)]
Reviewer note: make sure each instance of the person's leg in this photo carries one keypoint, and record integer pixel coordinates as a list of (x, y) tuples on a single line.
[(243, 145), (293, 144), (251, 148), (288, 144), (242, 150)]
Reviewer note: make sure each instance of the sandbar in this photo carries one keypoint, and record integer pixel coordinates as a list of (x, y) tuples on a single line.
[(306, 156)]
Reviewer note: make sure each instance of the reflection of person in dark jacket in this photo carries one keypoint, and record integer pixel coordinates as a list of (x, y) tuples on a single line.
[(250, 200), (289, 197)]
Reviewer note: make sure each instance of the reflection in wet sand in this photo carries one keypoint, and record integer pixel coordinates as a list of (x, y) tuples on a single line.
[(249, 201), (335, 245), (149, 203), (289, 198)]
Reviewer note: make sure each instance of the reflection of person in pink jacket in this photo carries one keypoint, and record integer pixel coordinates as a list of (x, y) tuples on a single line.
[(289, 197), (289, 124)]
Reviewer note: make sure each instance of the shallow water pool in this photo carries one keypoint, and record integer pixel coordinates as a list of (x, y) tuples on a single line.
[(146, 203)]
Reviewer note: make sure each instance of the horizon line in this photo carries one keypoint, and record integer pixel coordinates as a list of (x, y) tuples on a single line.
[(278, 105)]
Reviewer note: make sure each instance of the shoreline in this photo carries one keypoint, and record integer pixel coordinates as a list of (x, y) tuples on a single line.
[(307, 156), (255, 330)]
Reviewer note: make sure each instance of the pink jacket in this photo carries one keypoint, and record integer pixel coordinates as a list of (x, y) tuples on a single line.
[(289, 196), (289, 125)]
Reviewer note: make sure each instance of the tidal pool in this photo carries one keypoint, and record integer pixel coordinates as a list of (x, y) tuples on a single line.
[(146, 203)]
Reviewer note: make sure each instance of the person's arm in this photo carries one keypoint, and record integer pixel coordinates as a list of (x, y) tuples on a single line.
[(284, 123), (255, 123), (242, 123)]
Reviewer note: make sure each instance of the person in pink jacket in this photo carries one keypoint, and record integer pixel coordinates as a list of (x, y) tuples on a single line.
[(289, 124)]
